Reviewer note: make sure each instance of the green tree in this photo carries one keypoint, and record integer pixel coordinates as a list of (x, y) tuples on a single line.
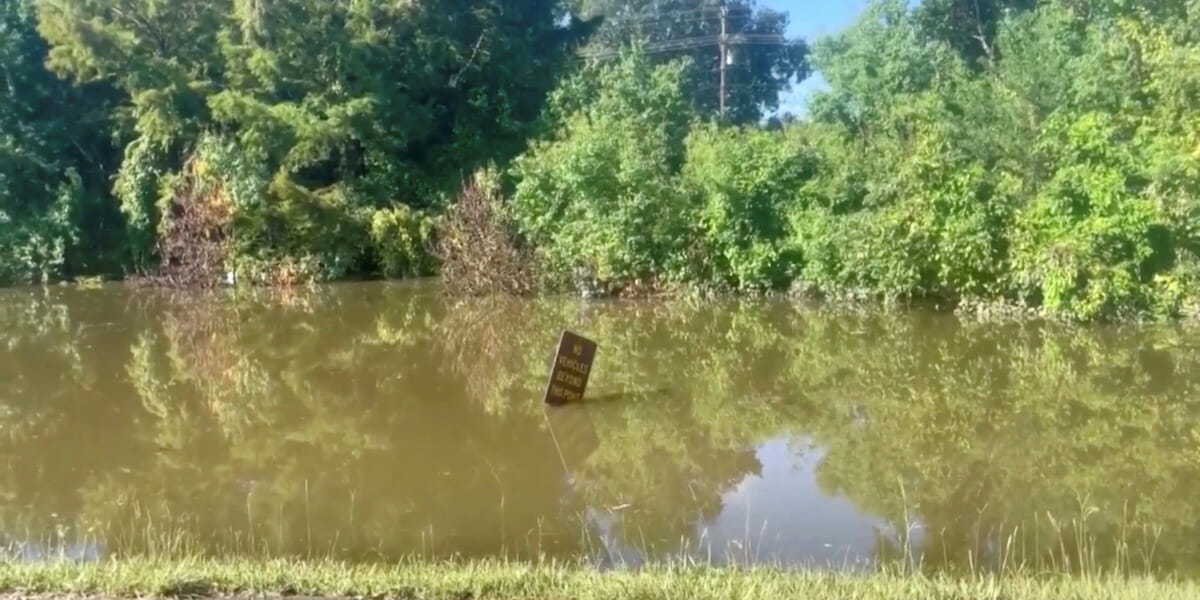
[(1051, 173), (599, 196), (335, 109), (744, 183), (763, 62), (55, 157), (969, 26)]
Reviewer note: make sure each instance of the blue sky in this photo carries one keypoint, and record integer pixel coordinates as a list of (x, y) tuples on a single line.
[(811, 19)]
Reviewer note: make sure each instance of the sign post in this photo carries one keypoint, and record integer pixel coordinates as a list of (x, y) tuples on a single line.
[(569, 373)]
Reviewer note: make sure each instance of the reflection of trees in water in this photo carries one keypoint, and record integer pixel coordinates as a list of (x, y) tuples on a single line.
[(43, 345), (383, 420), (669, 441), (54, 388), (485, 341), (1009, 435)]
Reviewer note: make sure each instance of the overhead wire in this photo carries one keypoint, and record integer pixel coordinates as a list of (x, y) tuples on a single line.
[(685, 43), (666, 14), (681, 44)]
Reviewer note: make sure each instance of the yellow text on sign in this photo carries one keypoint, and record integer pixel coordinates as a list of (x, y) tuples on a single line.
[(572, 364)]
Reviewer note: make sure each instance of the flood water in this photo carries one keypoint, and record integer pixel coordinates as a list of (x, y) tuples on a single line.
[(379, 421)]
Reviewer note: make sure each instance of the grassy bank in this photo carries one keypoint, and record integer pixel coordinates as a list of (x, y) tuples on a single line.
[(509, 581)]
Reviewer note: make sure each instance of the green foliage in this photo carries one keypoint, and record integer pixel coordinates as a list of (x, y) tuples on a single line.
[(330, 124), (763, 62), (1044, 153), (601, 195), (743, 180), (969, 27), (1049, 173), (914, 219), (876, 66), (33, 248), (299, 235), (1034, 153), (52, 163), (628, 187), (137, 188), (1090, 243), (401, 239)]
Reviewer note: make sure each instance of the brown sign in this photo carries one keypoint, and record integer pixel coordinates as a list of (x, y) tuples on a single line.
[(572, 365)]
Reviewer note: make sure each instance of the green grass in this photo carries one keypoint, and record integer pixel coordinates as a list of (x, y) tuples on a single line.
[(550, 581)]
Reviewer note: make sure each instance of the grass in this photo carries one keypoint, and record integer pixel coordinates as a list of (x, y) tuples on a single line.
[(1075, 569), (500, 580)]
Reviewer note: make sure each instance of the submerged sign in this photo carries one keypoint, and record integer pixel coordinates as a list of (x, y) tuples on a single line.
[(572, 365)]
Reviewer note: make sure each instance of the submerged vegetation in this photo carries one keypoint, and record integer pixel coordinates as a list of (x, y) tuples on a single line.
[(1036, 153)]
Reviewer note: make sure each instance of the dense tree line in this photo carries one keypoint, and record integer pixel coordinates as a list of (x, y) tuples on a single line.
[(318, 131), (1034, 152), (55, 154), (1031, 153), (285, 140)]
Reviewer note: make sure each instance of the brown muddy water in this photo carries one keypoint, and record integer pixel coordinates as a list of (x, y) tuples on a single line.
[(379, 421)]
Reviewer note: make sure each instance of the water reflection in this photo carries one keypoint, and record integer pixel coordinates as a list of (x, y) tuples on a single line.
[(373, 421), (87, 551), (781, 515)]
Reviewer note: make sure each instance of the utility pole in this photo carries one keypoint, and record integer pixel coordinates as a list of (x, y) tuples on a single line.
[(724, 56)]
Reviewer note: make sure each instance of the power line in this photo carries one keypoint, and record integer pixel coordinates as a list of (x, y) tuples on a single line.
[(675, 45), (680, 44), (692, 16), (668, 14), (700, 15)]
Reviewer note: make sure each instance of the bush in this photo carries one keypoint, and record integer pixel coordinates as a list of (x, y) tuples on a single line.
[(194, 239), (477, 249), (401, 240), (1091, 245), (915, 217), (601, 199), (34, 247), (298, 235), (137, 188), (743, 181), (223, 216)]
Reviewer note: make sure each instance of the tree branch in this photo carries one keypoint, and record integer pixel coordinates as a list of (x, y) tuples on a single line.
[(454, 79), (981, 35)]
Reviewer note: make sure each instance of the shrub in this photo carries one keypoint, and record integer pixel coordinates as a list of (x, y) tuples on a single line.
[(600, 199), (1090, 245), (194, 238), (914, 218), (401, 239), (298, 235), (34, 244), (476, 247), (222, 216), (743, 181)]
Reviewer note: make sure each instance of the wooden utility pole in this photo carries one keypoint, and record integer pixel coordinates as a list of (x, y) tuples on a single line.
[(724, 58)]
